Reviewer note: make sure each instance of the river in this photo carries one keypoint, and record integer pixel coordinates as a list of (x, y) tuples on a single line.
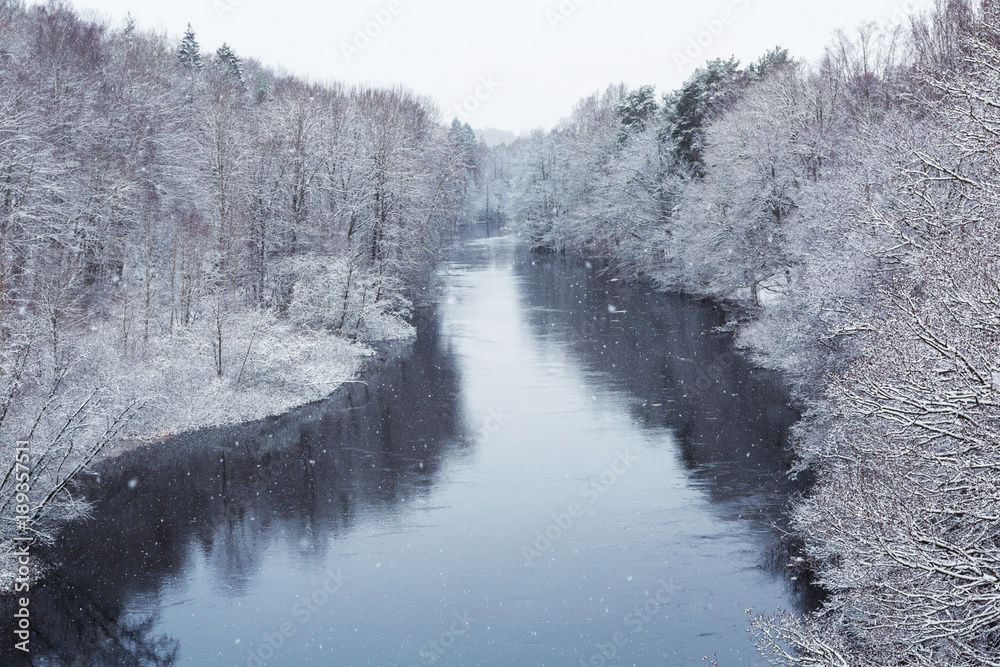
[(561, 469)]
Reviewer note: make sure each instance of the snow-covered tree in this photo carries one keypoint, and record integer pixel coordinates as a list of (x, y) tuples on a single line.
[(849, 211), (637, 109), (705, 96), (231, 65), (169, 242), (189, 52)]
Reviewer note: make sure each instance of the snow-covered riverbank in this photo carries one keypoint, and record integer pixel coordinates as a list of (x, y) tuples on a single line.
[(175, 389), (285, 368), (189, 238), (850, 209)]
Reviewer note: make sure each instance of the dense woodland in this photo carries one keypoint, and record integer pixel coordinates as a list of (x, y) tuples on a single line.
[(849, 210), (188, 238)]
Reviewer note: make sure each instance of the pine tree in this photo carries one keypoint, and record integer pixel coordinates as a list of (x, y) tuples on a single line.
[(708, 91), (231, 65), (463, 134), (189, 52), (263, 89), (128, 30), (767, 63), (635, 110)]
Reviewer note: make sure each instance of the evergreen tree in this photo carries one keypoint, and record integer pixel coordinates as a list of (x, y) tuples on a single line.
[(231, 65), (128, 29), (262, 92), (463, 137), (463, 134), (635, 110), (767, 63), (708, 92), (189, 52)]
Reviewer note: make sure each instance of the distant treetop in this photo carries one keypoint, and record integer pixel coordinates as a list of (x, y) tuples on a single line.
[(189, 52)]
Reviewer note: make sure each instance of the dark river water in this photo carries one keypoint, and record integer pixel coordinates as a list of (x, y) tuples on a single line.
[(560, 470)]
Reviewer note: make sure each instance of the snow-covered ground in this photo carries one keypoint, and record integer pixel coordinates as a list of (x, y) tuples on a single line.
[(269, 367)]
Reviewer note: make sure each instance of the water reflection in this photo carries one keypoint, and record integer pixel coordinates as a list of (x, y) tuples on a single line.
[(230, 493), (731, 418), (202, 546)]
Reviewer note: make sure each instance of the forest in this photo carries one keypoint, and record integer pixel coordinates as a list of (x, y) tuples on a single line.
[(189, 239), (848, 212)]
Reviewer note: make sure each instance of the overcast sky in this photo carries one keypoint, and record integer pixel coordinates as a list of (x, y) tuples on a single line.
[(512, 64)]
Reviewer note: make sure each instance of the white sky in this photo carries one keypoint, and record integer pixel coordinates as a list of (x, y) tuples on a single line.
[(539, 67)]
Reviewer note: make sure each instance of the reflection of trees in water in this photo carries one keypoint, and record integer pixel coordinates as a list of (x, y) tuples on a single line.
[(225, 495), (730, 420), (73, 626), (661, 350)]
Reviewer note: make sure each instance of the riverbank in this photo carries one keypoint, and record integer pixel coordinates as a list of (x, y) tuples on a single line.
[(185, 249), (843, 213), (174, 390), (284, 370), (520, 378)]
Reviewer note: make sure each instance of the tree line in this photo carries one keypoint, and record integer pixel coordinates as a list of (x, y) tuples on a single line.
[(849, 210), (189, 238)]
